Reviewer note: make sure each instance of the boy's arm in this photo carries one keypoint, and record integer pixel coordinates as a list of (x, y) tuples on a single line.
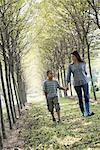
[(45, 93), (44, 89), (61, 88)]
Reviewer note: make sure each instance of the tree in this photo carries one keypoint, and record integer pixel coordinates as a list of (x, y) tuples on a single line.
[(95, 10)]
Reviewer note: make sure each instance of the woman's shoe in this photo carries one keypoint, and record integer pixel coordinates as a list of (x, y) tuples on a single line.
[(91, 114)]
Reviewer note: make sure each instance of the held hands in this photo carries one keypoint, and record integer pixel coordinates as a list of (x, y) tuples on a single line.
[(66, 88)]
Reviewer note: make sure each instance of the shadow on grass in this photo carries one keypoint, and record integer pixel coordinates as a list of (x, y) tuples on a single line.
[(74, 132)]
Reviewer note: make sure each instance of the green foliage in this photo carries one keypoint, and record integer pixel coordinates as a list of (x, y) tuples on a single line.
[(62, 26)]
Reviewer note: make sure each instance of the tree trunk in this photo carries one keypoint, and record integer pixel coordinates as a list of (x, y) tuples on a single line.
[(5, 97), (65, 92), (19, 82), (8, 91), (2, 121), (24, 93), (21, 85), (6, 77), (1, 144), (62, 79), (70, 82), (90, 70), (60, 94), (11, 92), (83, 53), (15, 90), (61, 74)]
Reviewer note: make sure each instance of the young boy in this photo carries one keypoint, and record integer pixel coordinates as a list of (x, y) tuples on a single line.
[(50, 90)]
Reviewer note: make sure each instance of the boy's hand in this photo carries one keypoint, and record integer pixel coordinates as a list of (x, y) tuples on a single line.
[(64, 88), (67, 88)]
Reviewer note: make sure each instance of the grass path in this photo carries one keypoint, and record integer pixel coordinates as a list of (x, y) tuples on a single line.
[(37, 132)]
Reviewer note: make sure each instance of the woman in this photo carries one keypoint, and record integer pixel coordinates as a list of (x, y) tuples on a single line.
[(78, 69)]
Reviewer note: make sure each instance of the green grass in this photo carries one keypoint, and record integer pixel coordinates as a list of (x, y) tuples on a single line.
[(73, 133), (97, 95)]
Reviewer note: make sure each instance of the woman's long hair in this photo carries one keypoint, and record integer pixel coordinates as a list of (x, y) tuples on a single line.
[(77, 55)]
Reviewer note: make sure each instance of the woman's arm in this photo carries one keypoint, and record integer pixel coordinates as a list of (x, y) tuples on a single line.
[(85, 68), (68, 74)]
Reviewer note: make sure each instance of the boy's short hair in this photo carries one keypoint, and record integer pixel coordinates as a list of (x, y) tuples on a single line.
[(48, 72)]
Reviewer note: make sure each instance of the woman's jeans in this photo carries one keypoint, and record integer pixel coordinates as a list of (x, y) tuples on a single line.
[(85, 89)]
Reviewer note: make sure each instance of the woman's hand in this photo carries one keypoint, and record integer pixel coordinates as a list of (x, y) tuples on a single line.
[(67, 87)]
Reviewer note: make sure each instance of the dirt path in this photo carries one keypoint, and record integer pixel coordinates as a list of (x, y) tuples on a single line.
[(14, 141)]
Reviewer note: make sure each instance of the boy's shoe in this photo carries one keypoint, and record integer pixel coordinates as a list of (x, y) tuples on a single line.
[(54, 120), (82, 114), (58, 121)]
